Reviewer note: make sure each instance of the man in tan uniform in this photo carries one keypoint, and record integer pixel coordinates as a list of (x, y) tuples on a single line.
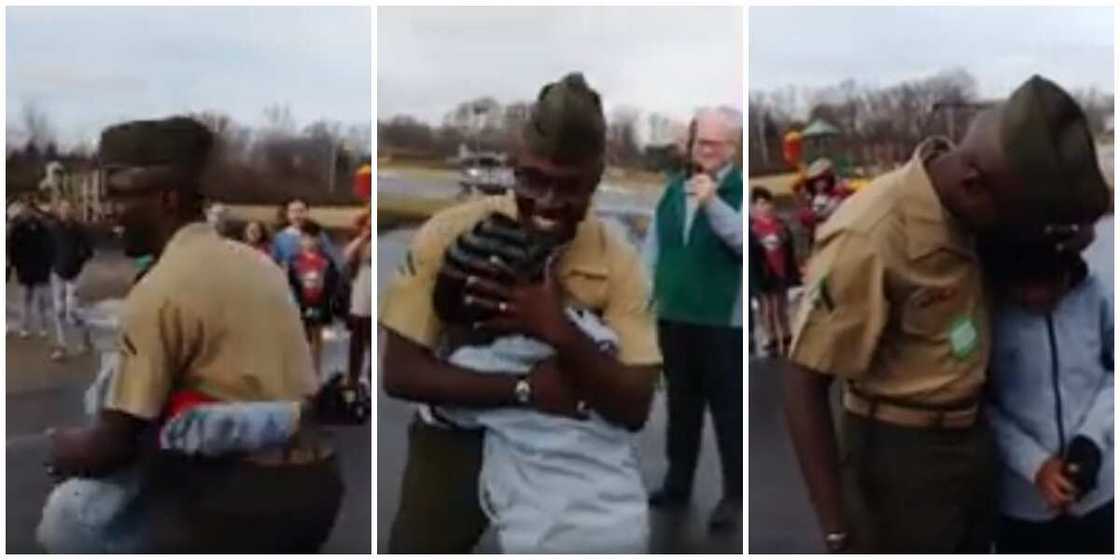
[(211, 321), (560, 161), (896, 308)]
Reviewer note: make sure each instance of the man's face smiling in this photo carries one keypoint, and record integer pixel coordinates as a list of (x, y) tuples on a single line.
[(139, 216), (552, 199), (714, 145), (143, 208)]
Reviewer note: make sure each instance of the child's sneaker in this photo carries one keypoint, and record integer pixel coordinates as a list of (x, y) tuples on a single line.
[(43, 333), (24, 334), (58, 354)]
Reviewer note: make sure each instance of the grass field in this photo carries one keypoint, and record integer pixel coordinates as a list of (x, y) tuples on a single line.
[(394, 210)]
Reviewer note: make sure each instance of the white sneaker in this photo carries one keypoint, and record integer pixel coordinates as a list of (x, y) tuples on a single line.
[(58, 354), (24, 334), (43, 334)]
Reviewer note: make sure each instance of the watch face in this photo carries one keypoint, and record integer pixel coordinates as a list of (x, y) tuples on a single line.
[(521, 391)]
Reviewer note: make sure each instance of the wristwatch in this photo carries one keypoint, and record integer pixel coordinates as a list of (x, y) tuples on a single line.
[(523, 391), (836, 542)]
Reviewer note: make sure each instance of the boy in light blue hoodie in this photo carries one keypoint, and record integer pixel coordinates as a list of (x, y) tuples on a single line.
[(1051, 400)]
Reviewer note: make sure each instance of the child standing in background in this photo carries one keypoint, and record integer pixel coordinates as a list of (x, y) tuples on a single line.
[(779, 269), (315, 283), (255, 235)]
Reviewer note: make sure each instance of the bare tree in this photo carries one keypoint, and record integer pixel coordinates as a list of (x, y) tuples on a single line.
[(279, 120), (622, 135), (36, 126), (359, 137), (515, 116)]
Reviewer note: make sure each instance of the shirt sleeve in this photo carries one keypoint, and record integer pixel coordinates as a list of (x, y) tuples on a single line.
[(726, 222), (278, 248), (150, 344), (629, 313), (1098, 422), (1020, 452), (845, 307), (650, 247), (408, 310)]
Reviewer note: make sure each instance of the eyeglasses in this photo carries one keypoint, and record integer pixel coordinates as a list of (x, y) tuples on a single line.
[(710, 144), (537, 185)]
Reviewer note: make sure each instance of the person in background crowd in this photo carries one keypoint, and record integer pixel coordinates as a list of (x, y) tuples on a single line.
[(695, 247), (778, 267), (315, 281), (286, 243), (31, 252), (820, 195), (756, 264), (73, 248), (15, 209), (1050, 401), (255, 235), (217, 215), (359, 259)]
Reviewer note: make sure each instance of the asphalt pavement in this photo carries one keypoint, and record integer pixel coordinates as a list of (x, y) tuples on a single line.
[(780, 518), (42, 394)]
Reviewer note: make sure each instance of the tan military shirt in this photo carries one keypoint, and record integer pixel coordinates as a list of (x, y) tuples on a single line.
[(214, 316), (894, 297), (598, 271)]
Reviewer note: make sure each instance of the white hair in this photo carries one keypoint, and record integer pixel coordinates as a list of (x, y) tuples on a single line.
[(730, 117)]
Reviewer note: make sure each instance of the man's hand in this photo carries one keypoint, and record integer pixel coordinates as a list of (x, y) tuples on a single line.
[(702, 186), (111, 443), (553, 393), (531, 309), (70, 452), (1057, 490)]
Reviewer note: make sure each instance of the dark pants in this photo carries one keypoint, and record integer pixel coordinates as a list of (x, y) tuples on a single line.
[(237, 507), (1091, 534), (360, 340), (439, 511), (910, 490), (703, 367)]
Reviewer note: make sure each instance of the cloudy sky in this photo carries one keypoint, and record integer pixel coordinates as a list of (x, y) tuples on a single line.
[(89, 67), (1000, 46), (668, 60)]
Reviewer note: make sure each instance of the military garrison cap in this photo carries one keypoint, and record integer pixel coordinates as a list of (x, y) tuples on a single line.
[(1046, 140), (177, 145), (566, 124)]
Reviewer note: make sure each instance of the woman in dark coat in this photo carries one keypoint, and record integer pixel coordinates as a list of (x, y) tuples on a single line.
[(31, 251)]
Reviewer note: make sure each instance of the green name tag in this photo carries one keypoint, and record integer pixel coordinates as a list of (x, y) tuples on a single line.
[(963, 338)]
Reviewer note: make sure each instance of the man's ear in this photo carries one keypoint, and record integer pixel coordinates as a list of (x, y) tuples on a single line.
[(970, 179)]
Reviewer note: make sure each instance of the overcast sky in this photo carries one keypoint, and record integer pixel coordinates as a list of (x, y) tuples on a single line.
[(668, 60), (1000, 46), (89, 67)]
